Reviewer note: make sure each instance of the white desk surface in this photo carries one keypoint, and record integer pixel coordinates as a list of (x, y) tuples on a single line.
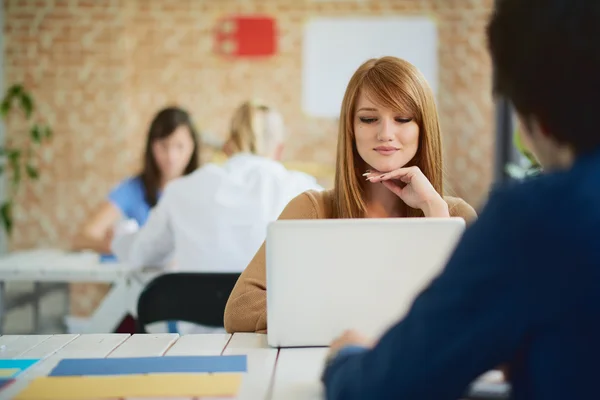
[(273, 374), (53, 265), (293, 375)]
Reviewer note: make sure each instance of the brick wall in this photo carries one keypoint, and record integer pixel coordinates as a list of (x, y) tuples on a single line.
[(99, 69)]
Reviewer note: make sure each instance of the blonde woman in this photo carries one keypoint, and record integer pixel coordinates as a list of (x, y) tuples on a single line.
[(215, 219), (389, 164)]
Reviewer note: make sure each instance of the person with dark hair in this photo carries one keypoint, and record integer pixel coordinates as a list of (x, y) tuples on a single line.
[(215, 219), (172, 150), (522, 289)]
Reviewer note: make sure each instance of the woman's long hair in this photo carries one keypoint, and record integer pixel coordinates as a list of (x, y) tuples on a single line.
[(163, 125), (255, 128), (398, 85)]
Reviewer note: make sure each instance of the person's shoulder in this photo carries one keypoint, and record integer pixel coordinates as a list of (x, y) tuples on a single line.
[(532, 192), (132, 186), (527, 202), (311, 204), (183, 182), (131, 183), (457, 207), (127, 194), (304, 181), (188, 186)]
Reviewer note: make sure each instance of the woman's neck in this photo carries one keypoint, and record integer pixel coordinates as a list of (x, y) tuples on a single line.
[(382, 203), (163, 182)]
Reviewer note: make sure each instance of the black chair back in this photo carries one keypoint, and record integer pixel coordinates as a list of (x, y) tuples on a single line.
[(187, 296)]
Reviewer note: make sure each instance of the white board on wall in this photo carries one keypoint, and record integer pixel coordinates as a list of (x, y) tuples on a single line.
[(334, 48)]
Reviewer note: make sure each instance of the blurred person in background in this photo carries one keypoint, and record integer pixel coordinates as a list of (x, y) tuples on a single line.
[(171, 152), (215, 219)]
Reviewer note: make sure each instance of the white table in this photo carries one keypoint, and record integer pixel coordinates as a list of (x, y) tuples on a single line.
[(256, 383), (50, 265), (273, 374)]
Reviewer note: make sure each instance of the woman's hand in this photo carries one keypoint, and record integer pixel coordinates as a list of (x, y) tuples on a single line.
[(413, 187)]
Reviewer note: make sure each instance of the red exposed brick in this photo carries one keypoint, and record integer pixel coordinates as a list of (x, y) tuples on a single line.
[(125, 85)]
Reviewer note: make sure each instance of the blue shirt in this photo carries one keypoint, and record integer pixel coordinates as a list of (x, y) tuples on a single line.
[(522, 289), (129, 197)]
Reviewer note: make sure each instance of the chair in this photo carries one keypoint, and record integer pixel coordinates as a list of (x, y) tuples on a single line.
[(194, 297)]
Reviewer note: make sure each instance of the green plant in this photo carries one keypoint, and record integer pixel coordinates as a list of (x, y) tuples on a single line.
[(19, 161), (529, 165)]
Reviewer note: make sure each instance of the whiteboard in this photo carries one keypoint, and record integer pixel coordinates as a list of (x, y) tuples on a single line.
[(334, 48)]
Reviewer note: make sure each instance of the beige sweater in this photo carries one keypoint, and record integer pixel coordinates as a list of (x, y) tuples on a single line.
[(246, 309)]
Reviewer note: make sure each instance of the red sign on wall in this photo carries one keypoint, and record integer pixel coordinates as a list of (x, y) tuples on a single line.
[(246, 37)]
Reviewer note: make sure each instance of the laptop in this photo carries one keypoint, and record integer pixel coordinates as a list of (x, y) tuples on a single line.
[(326, 276)]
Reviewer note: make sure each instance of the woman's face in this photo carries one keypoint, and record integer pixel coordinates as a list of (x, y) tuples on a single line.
[(385, 139), (173, 153)]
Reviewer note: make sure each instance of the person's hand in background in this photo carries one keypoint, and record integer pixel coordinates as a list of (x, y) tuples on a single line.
[(124, 227)]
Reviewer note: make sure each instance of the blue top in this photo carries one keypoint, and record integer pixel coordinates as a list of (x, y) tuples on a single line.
[(522, 289), (129, 197)]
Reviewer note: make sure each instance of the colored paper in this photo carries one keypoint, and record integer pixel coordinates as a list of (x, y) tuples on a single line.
[(149, 365), (5, 382), (17, 364), (154, 385), (9, 372)]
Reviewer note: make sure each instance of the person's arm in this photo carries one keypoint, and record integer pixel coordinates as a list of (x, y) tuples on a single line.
[(246, 309), (96, 233), (152, 245), (471, 319), (460, 208)]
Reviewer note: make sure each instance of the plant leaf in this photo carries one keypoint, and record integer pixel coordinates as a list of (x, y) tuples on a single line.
[(27, 104), (13, 155), (518, 143), (14, 90), (47, 132), (6, 215), (14, 160), (32, 172), (5, 107), (36, 134)]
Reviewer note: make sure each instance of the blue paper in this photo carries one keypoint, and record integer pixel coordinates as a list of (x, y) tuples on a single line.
[(149, 365), (17, 364)]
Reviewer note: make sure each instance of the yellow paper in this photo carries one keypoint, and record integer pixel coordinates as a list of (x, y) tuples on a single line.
[(122, 386), (9, 372)]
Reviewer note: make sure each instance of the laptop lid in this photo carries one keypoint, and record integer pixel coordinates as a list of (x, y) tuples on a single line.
[(326, 276)]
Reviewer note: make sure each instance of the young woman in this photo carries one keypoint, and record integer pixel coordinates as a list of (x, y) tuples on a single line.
[(215, 219), (171, 152), (389, 164)]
